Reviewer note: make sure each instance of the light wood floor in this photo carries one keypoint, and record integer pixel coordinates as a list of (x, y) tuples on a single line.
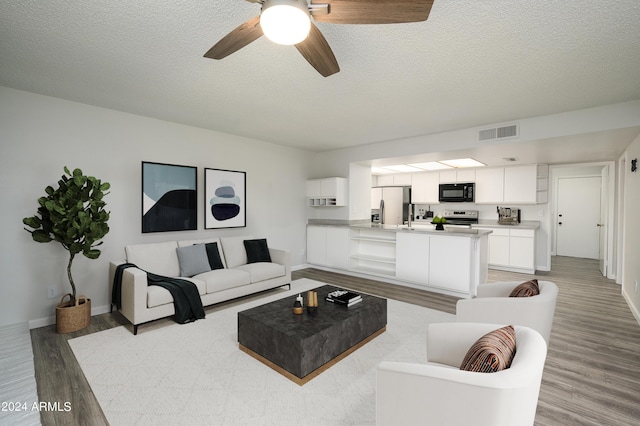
[(591, 377)]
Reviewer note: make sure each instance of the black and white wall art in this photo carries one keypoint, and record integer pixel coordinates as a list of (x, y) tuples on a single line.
[(169, 197), (224, 199)]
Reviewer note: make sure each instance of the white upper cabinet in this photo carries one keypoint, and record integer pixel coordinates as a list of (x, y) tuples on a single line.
[(513, 185), (458, 175), (327, 192), (400, 179), (424, 188), (489, 185), (520, 184)]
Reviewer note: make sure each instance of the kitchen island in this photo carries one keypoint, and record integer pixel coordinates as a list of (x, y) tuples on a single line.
[(453, 261)]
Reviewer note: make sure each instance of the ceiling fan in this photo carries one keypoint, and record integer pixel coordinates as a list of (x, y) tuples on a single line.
[(289, 22)]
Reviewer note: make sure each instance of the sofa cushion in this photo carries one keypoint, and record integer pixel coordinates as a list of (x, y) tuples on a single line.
[(257, 250), (263, 271), (193, 260), (158, 258), (213, 255), (157, 295), (222, 279), (184, 243), (526, 289), (234, 251), (492, 352)]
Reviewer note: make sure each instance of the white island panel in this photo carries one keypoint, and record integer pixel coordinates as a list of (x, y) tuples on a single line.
[(450, 263)]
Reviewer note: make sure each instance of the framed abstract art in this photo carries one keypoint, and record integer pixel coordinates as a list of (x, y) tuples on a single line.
[(225, 199), (169, 197)]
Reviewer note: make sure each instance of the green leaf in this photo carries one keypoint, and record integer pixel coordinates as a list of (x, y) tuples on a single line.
[(33, 222), (92, 254), (40, 236)]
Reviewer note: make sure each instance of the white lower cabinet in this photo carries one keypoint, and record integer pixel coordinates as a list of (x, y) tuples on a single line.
[(337, 248), (412, 258), (522, 249), (450, 262), (512, 249), (499, 247), (328, 246)]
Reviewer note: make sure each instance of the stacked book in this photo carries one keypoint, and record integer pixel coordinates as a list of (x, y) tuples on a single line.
[(344, 297)]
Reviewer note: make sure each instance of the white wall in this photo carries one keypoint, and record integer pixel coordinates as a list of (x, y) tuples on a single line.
[(39, 135), (631, 231)]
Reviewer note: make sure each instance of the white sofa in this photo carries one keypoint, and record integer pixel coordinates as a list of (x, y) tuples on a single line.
[(437, 392), (142, 303), (493, 305)]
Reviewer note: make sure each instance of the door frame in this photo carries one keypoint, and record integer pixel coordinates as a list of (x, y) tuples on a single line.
[(611, 221)]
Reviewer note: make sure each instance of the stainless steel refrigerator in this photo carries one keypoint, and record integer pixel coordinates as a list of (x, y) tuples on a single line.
[(390, 204)]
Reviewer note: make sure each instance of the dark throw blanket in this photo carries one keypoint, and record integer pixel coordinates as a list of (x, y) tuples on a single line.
[(186, 299)]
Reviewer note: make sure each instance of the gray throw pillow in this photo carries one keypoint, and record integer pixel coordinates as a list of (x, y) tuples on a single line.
[(193, 260)]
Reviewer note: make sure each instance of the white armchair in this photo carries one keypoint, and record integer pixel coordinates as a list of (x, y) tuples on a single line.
[(493, 305), (439, 393)]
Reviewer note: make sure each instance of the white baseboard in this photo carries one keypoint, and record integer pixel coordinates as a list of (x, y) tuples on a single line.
[(632, 307), (299, 267), (43, 322)]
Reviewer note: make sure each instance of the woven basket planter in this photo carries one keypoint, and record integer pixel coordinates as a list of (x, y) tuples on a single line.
[(70, 318)]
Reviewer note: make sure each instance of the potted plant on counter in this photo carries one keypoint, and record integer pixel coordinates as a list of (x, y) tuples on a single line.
[(439, 223), (74, 215)]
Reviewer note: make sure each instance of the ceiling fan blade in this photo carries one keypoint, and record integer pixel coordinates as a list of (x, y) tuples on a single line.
[(374, 11), (236, 39), (317, 52)]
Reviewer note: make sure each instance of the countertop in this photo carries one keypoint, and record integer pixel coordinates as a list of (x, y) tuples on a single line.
[(419, 228), (525, 224)]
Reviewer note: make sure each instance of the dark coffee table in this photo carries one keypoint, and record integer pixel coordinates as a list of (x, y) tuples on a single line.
[(302, 346)]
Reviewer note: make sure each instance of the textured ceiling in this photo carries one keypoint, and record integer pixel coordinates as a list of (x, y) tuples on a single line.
[(471, 63)]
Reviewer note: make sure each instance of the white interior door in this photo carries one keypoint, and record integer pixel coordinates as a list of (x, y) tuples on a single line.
[(577, 230), (604, 216)]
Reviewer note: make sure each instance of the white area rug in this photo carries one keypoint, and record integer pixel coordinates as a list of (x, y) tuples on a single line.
[(171, 374)]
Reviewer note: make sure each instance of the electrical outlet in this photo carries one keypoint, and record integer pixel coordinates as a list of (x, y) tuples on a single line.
[(52, 291), (636, 288)]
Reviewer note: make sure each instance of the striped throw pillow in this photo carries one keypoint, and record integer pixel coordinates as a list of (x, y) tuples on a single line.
[(526, 289), (492, 352)]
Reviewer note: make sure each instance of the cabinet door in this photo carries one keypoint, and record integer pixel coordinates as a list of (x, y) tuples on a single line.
[(402, 179), (385, 180), (465, 175), (337, 247), (490, 185), (316, 245), (424, 188), (520, 184), (522, 249), (450, 262), (499, 247), (412, 258), (448, 176), (314, 188)]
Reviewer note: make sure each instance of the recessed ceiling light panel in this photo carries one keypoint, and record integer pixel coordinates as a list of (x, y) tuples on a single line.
[(380, 171), (403, 168), (431, 165), (463, 162)]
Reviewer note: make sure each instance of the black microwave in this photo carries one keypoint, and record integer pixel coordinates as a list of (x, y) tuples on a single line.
[(456, 192)]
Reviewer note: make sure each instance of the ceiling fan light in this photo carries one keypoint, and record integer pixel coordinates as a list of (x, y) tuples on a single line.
[(285, 21)]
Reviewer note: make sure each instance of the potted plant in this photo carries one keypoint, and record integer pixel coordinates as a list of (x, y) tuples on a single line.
[(74, 215), (439, 222)]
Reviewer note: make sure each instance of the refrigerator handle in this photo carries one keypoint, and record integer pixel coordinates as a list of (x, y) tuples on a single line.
[(381, 212)]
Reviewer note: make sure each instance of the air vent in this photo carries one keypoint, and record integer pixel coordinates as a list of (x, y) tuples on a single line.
[(498, 133)]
